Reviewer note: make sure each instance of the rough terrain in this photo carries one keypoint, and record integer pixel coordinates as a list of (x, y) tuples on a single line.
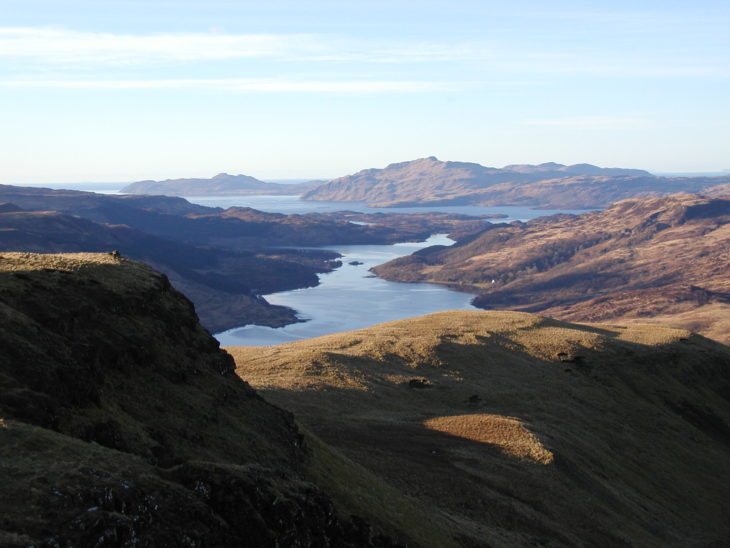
[(662, 260), (122, 423), (524, 431)]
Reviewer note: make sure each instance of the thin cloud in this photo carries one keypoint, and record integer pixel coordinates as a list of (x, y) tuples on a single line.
[(244, 85), (69, 50), (64, 46), (60, 46), (590, 122)]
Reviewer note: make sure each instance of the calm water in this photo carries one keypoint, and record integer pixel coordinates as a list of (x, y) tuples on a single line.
[(292, 204), (351, 298)]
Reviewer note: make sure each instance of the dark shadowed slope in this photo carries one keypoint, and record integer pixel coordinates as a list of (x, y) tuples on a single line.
[(525, 431), (221, 259), (179, 220), (223, 284), (655, 259), (123, 424), (428, 181)]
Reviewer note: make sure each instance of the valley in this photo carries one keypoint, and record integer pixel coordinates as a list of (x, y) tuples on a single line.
[(122, 422), (222, 259), (364, 274), (351, 297), (516, 430)]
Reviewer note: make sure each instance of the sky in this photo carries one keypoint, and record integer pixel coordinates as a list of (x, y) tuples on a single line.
[(122, 90)]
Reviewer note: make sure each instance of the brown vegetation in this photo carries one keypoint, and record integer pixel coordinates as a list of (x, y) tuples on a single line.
[(221, 259), (516, 430), (122, 423), (665, 258), (428, 181)]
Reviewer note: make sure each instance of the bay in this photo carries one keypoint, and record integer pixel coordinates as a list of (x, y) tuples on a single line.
[(351, 297)]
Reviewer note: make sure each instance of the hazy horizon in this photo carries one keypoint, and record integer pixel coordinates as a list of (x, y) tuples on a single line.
[(128, 90), (298, 180)]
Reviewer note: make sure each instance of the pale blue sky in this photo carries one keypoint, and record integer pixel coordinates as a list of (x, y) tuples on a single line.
[(132, 89)]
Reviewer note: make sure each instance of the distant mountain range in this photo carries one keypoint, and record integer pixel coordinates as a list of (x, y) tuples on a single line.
[(431, 182), (222, 184)]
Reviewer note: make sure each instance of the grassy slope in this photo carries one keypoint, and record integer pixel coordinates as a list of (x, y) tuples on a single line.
[(122, 419), (514, 429)]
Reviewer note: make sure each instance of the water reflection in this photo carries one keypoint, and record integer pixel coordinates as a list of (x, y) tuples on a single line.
[(351, 298)]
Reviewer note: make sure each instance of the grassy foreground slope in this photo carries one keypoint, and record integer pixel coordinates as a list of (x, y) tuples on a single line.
[(122, 423), (524, 430)]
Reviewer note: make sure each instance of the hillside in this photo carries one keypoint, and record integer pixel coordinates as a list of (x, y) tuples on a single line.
[(223, 284), (221, 259), (524, 431), (718, 190), (655, 259), (222, 184), (428, 181), (179, 220), (123, 424)]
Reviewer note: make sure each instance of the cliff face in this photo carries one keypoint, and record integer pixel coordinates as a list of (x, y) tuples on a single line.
[(122, 423), (653, 259), (428, 181)]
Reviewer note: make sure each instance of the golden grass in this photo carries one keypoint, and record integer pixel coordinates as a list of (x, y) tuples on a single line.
[(514, 428), (506, 433), (399, 350), (69, 262)]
